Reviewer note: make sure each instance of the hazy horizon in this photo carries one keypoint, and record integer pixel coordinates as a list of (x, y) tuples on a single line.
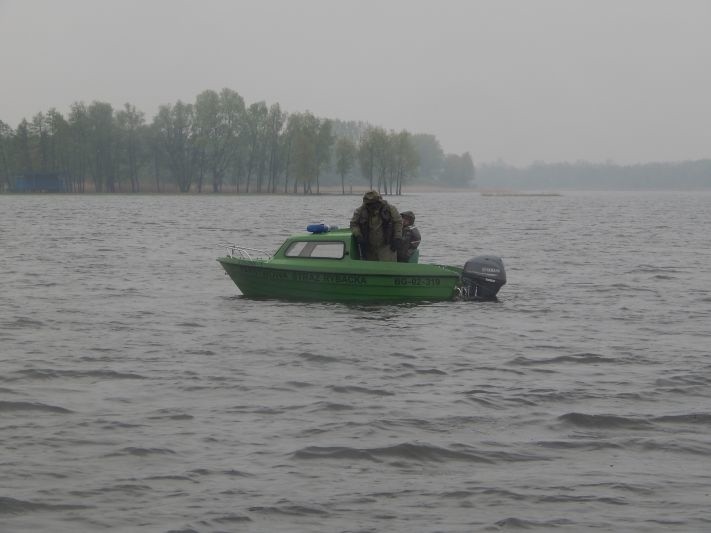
[(554, 80)]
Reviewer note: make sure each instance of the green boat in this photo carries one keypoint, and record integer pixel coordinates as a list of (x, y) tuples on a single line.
[(327, 266)]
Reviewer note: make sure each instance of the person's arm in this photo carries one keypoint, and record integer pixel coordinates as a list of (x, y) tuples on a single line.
[(397, 223), (415, 238), (355, 227)]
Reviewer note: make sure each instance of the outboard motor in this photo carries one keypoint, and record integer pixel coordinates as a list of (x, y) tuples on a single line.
[(482, 277)]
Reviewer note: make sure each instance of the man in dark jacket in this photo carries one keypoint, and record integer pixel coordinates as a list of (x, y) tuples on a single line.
[(408, 252), (377, 227)]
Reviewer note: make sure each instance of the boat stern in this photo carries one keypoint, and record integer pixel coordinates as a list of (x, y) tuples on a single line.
[(482, 277)]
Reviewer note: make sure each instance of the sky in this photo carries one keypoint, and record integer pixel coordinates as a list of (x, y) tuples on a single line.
[(627, 81)]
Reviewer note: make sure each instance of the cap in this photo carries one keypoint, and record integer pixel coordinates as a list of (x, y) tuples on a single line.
[(371, 197), (408, 214)]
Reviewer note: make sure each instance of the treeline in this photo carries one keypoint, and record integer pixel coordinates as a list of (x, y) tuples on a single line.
[(596, 176), (219, 144)]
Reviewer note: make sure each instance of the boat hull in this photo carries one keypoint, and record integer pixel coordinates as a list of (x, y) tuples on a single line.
[(368, 282)]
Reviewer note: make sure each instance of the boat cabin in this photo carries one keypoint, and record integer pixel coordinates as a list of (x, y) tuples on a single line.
[(337, 244)]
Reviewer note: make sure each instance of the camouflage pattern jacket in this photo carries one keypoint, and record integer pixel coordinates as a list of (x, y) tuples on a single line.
[(379, 227)]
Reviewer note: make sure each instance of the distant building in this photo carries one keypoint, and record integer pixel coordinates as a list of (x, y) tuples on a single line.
[(39, 182)]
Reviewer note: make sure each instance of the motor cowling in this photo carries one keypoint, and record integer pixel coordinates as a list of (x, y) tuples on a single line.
[(482, 277)]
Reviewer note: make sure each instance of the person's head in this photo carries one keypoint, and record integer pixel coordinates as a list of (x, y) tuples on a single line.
[(408, 218), (372, 199)]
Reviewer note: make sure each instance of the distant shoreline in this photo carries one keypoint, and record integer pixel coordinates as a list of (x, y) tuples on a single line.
[(359, 191), (328, 190)]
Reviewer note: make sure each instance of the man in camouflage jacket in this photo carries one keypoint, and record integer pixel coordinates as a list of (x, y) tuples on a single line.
[(377, 227)]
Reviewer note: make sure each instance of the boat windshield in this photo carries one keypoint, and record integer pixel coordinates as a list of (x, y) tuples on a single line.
[(316, 250)]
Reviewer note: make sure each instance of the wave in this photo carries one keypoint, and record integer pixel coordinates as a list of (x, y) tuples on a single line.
[(485, 399), (230, 473), (129, 489), (199, 352), (333, 452), (623, 487), (690, 418), (23, 322), (422, 453), (169, 414), (570, 498), (330, 406), (585, 445), (683, 446), (317, 358), (653, 269), (688, 379), (31, 406), (50, 373), (232, 519), (444, 424), (519, 523), (13, 506), (299, 384), (290, 509), (605, 421), (141, 452), (434, 371), (692, 423), (171, 477), (361, 390), (579, 358), (115, 424)]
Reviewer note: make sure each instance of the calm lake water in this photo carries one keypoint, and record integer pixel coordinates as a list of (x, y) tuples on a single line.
[(140, 392)]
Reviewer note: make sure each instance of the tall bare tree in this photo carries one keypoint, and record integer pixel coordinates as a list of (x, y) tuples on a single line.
[(346, 152), (405, 158), (59, 142), (23, 149), (367, 155), (374, 155), (324, 142), (305, 157), (231, 126), (254, 135), (274, 141), (174, 126), (131, 125), (79, 148), (40, 142), (6, 152), (102, 142)]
